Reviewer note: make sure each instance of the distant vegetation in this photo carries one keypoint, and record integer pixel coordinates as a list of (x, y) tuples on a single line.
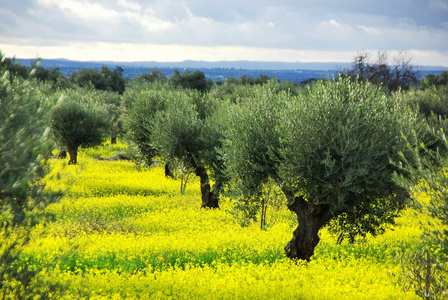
[(339, 159)]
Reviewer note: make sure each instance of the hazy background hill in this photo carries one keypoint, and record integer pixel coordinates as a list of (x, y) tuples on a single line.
[(219, 70)]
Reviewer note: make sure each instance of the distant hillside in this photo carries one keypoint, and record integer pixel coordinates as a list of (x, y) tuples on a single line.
[(247, 65), (295, 72)]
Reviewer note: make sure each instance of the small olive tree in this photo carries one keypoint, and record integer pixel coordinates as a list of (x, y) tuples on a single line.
[(79, 119), (329, 151)]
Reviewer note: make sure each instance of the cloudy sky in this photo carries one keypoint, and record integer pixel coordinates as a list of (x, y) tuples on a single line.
[(266, 30)]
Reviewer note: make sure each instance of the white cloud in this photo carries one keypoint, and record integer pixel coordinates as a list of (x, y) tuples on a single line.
[(149, 22), (332, 24), (82, 9), (370, 30), (130, 5), (149, 52)]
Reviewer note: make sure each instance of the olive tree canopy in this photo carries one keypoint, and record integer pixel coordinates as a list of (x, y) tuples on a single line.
[(79, 119), (329, 150)]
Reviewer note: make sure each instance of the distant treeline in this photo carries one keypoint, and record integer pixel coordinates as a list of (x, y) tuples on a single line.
[(216, 74), (66, 74)]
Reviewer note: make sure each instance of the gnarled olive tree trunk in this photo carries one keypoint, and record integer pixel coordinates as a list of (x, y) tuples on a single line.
[(73, 153), (210, 198), (311, 218), (168, 172)]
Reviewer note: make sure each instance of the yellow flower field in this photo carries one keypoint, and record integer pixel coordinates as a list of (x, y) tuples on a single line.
[(122, 232)]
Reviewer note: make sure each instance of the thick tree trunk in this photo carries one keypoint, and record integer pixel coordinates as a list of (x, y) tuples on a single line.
[(214, 195), (168, 172), (210, 198), (311, 218), (73, 152)]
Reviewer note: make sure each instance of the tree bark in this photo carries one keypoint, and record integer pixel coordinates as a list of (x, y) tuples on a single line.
[(73, 152), (311, 218), (210, 198), (168, 172)]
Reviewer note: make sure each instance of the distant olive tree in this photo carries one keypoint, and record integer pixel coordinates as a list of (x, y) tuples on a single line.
[(177, 125), (79, 119), (113, 103), (140, 107), (395, 73), (53, 76), (155, 76), (186, 131), (104, 79), (190, 80), (14, 68), (435, 80)]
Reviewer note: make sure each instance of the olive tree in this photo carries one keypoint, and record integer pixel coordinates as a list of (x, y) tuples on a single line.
[(394, 74), (105, 80), (185, 131), (141, 106), (329, 150), (25, 147), (426, 169), (190, 80), (24, 141), (113, 103), (79, 119)]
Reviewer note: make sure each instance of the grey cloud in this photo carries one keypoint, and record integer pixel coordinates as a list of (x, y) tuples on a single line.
[(318, 24)]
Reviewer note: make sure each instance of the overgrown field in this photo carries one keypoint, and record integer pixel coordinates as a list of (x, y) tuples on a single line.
[(127, 232)]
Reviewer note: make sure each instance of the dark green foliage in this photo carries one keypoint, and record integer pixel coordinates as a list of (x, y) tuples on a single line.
[(105, 80), (79, 119), (245, 80), (435, 80), (155, 76), (53, 76), (35, 71), (14, 68), (190, 80)]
